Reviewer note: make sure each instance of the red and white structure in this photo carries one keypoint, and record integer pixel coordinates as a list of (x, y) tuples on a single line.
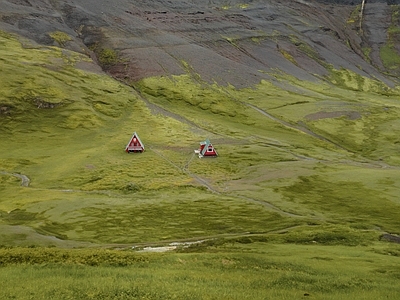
[(135, 144), (206, 149)]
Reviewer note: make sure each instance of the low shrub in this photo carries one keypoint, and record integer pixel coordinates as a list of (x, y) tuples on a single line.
[(88, 257)]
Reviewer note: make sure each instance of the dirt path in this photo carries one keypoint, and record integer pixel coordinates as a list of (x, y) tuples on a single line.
[(157, 109), (206, 184), (25, 181), (366, 162), (185, 170), (270, 206), (301, 128), (168, 245)]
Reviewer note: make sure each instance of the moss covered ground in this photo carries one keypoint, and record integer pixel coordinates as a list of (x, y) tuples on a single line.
[(310, 169)]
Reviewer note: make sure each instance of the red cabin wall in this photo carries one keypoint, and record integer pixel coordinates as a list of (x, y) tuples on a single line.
[(134, 145), (213, 153)]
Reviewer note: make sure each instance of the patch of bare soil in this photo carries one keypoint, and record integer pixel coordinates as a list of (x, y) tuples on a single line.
[(89, 66), (5, 109), (351, 115)]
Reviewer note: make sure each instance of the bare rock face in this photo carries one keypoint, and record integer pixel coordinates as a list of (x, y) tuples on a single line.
[(357, 2), (390, 238), (239, 44)]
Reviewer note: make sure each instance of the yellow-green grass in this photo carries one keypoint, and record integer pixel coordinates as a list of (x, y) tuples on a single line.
[(83, 185), (366, 117), (325, 194), (223, 112), (177, 213), (389, 56), (236, 270), (85, 133), (345, 166)]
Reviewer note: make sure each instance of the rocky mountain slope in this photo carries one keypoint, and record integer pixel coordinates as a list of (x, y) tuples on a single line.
[(228, 42)]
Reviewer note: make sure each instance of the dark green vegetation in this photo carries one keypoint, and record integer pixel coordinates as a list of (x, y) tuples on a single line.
[(305, 186)]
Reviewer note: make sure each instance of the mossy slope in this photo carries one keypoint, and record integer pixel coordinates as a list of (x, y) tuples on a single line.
[(282, 161)]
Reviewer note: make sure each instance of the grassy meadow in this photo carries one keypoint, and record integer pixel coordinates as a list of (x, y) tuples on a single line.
[(236, 270), (305, 184)]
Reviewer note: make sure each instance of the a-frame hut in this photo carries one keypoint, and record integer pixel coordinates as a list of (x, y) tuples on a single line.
[(207, 149), (135, 144)]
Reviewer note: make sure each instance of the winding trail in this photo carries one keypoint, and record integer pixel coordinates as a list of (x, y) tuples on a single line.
[(300, 128), (185, 170), (196, 240), (270, 206), (25, 181), (366, 162), (206, 184), (158, 109)]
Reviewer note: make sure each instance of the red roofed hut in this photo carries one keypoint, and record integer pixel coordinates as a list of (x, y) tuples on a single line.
[(135, 144), (207, 149)]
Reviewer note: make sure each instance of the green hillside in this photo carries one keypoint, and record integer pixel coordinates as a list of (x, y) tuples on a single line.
[(302, 167)]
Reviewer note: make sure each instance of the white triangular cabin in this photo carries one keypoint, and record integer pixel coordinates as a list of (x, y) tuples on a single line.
[(135, 144)]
